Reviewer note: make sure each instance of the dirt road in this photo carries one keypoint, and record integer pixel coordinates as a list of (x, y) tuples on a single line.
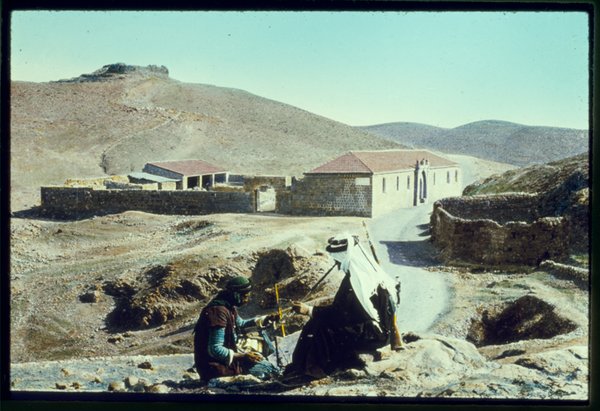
[(401, 243)]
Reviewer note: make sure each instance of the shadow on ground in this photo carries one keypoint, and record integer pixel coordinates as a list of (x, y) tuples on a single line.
[(411, 253), (38, 213)]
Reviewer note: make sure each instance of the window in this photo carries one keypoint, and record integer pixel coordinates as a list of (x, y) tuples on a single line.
[(397, 183), (433, 178), (383, 186), (448, 177), (456, 176), (408, 182)]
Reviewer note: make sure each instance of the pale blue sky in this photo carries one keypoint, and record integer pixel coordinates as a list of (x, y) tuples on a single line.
[(361, 68)]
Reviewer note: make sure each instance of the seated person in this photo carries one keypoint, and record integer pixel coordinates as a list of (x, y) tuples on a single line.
[(358, 320), (216, 353)]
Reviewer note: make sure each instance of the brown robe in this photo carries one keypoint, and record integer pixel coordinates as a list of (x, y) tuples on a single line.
[(217, 314)]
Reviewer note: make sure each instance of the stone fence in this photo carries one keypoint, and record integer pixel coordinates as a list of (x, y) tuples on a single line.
[(501, 208), (71, 202), (495, 239)]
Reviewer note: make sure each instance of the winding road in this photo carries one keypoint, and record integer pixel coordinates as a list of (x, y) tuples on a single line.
[(401, 242)]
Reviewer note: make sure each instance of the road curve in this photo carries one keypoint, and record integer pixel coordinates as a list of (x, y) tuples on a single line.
[(401, 241)]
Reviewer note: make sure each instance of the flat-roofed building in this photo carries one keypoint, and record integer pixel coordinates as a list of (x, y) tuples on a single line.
[(189, 173), (163, 183)]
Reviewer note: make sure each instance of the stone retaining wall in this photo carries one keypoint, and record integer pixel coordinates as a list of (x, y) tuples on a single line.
[(323, 195), (66, 202), (579, 276), (501, 208), (485, 241)]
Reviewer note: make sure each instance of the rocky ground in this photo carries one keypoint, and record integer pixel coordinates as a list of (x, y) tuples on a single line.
[(107, 305)]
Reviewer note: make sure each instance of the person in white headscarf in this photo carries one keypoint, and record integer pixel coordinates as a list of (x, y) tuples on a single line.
[(360, 318)]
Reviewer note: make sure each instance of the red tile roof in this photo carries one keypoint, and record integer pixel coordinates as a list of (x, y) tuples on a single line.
[(369, 162), (189, 167)]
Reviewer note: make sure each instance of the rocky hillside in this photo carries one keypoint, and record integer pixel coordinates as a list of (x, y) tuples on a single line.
[(494, 140), (118, 118), (543, 178)]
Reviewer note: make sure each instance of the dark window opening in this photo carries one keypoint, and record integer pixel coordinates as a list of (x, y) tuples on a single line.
[(193, 182)]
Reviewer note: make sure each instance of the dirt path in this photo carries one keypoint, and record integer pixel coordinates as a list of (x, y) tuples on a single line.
[(401, 243)]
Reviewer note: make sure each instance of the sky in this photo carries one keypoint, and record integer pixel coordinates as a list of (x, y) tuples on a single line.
[(444, 69)]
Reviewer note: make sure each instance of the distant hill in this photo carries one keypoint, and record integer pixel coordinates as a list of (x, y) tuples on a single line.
[(119, 117), (493, 140)]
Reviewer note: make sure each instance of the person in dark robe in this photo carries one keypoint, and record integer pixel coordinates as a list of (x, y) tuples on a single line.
[(336, 333), (216, 352)]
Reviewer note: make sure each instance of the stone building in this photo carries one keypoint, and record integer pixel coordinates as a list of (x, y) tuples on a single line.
[(371, 183), (189, 173), (162, 183)]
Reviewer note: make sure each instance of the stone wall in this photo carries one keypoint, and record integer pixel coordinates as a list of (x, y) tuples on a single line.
[(114, 185), (500, 208), (65, 202), (483, 240), (327, 195)]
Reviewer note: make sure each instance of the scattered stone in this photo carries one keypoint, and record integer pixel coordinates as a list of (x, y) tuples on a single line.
[(61, 386), (353, 374), (131, 381), (65, 372), (141, 386), (116, 386), (76, 385), (158, 389), (115, 340), (233, 383), (146, 365)]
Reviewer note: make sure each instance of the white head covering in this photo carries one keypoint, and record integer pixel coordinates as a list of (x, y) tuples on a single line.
[(365, 274)]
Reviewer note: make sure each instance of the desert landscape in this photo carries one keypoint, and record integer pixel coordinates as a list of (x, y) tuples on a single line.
[(106, 304)]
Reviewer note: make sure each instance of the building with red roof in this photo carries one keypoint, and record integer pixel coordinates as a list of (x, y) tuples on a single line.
[(369, 183)]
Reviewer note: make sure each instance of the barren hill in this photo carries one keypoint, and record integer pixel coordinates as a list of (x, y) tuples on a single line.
[(494, 140), (118, 118), (572, 172)]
